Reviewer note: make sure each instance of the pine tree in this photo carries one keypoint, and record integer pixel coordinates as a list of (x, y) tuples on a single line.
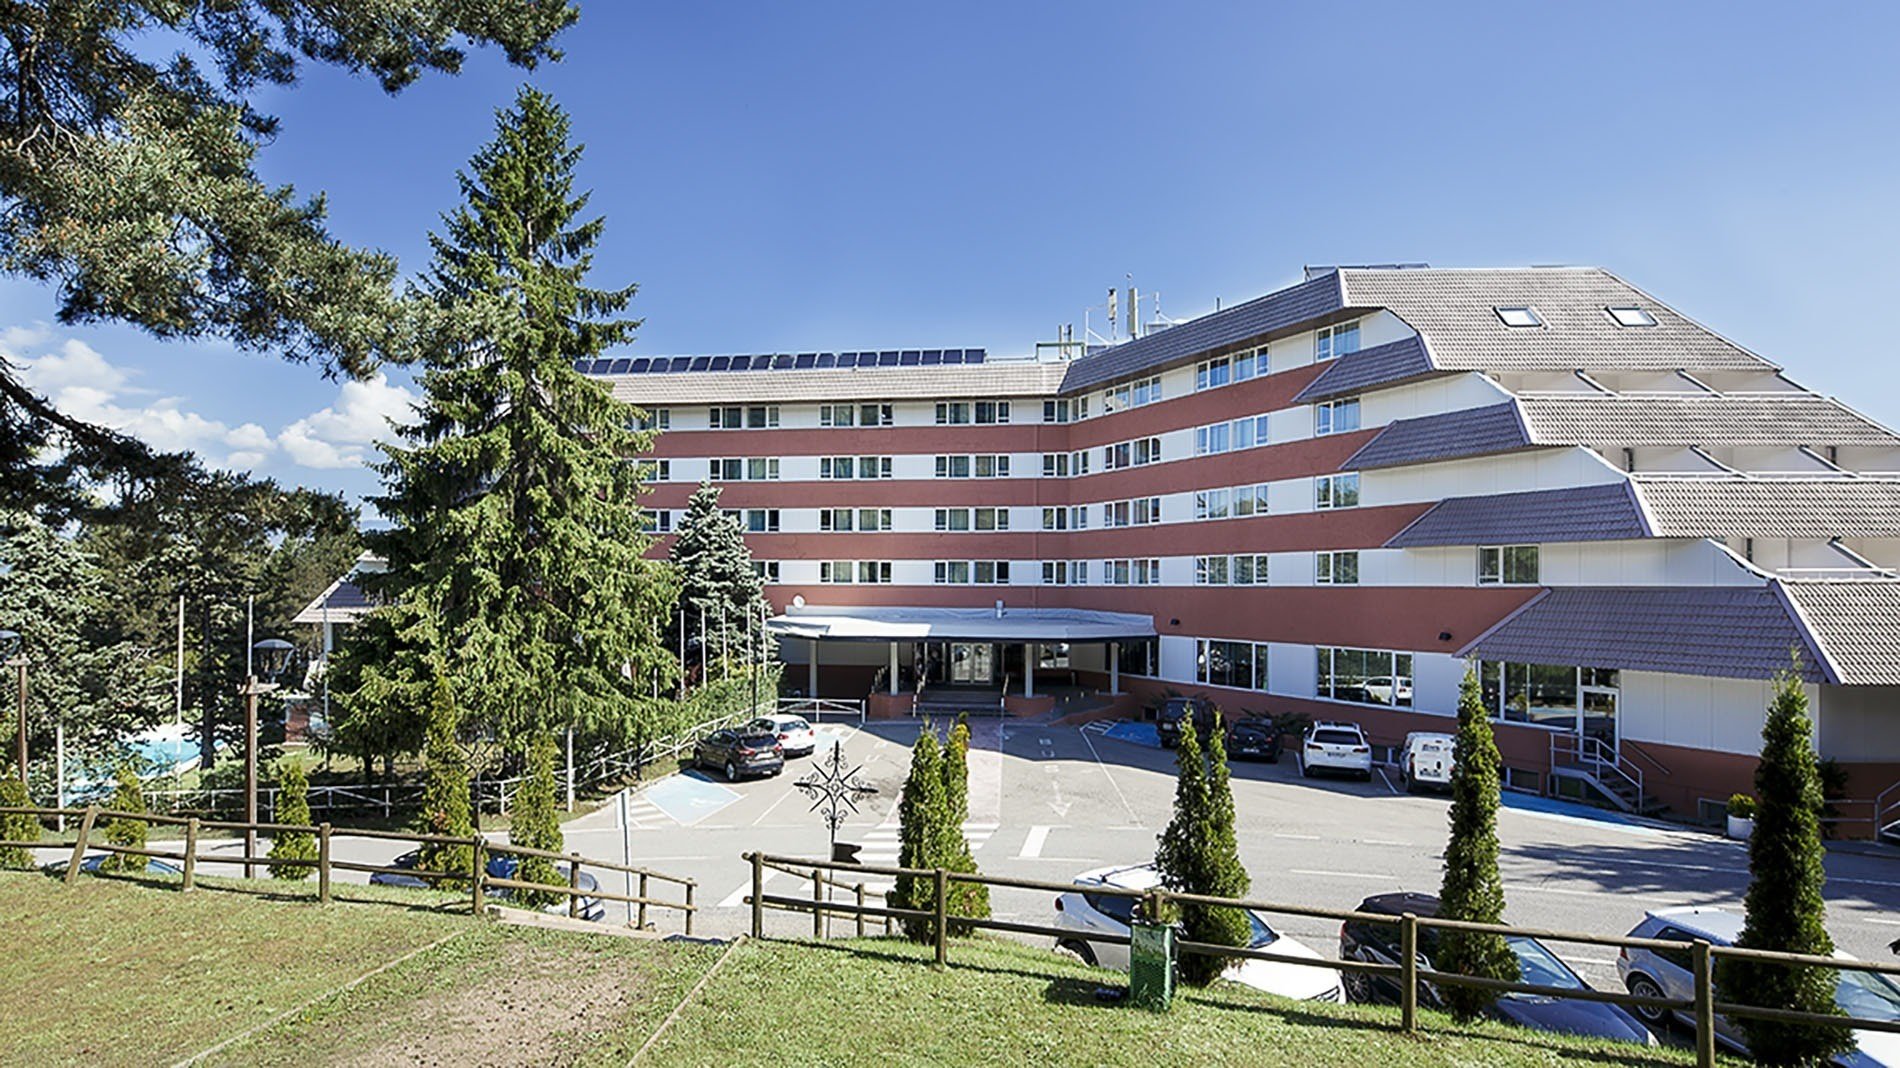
[(129, 797), (445, 809), (921, 813), (293, 807), (720, 595), (16, 828), (1472, 890), (1199, 853), (536, 825), (970, 900), (1785, 911), (516, 512)]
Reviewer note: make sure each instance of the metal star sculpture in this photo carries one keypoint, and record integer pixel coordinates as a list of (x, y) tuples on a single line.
[(835, 790)]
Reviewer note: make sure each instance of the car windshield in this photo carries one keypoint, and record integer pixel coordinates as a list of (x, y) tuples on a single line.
[(759, 739), (1336, 737), (1867, 995), (796, 725), (1539, 967), (1262, 934)]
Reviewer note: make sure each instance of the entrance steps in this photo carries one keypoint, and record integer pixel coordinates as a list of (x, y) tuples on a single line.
[(1614, 792)]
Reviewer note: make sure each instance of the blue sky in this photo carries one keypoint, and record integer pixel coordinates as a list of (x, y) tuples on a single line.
[(828, 175)]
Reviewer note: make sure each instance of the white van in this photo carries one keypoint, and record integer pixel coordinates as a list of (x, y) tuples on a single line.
[(1426, 759)]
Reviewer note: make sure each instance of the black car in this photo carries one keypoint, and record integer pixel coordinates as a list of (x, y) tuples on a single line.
[(740, 752), (1175, 710), (1254, 739), (501, 866), (1378, 943)]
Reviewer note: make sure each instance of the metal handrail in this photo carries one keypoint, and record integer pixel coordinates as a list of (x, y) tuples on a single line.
[(1586, 750)]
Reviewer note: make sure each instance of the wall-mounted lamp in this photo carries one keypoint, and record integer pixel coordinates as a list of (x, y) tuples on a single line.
[(1444, 635), (1174, 622)]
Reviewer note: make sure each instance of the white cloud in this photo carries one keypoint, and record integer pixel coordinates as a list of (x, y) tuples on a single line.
[(341, 435)]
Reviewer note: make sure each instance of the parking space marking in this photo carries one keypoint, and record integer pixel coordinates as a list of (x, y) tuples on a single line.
[(1100, 763), (688, 799), (1383, 842), (1032, 845), (737, 897), (1299, 837)]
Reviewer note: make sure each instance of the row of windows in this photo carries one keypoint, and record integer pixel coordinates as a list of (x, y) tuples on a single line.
[(755, 520), (1131, 572), (1244, 569), (1139, 512), (1336, 491), (1332, 342), (1365, 676), (1064, 464), (1335, 416), (1131, 394), (1336, 567), (1221, 371), (747, 469), (753, 417), (1065, 410), (1070, 517), (1507, 565), (982, 413), (972, 572), (1241, 665), (846, 572), (841, 467), (961, 519), (984, 466), (1231, 502), (1237, 434), (836, 415), (1552, 695), (1136, 453), (1065, 572), (845, 520)]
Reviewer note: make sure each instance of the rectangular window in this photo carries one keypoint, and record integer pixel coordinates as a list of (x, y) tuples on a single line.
[(1250, 569), (953, 572), (992, 518), (1055, 519), (837, 466), (988, 412), (1507, 565), (953, 519), (990, 572), (874, 519), (992, 466), (835, 571), (1336, 491), (1115, 513), (1115, 572), (874, 467), (655, 419), (1065, 572), (1210, 374), (1210, 571), (1250, 500), (1336, 417), (953, 413), (1146, 572), (766, 569), (835, 520), (1365, 676), (761, 469), (761, 417), (725, 418), (1213, 504), (953, 467), (1239, 665), (1144, 511), (874, 571), (1557, 696), (1336, 568), (1137, 657), (761, 520), (874, 415), (837, 415), (1332, 342)]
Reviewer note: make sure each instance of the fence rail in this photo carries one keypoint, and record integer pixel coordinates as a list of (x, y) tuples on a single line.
[(1702, 1007), (818, 708), (477, 877)]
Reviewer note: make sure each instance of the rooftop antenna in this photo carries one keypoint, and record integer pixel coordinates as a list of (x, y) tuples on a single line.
[(1112, 296)]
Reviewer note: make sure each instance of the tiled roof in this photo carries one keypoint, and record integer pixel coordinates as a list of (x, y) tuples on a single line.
[(1455, 310), (1580, 513), (1856, 624), (994, 378), (1380, 365), (1739, 632), (1771, 507), (1446, 436), (1256, 318), (1684, 419), (343, 602)]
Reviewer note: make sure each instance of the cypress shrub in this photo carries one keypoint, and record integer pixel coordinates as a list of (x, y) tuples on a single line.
[(965, 899), (293, 806), (921, 813), (536, 824), (445, 808), (1199, 853), (1472, 890), (16, 828), (1785, 911), (122, 831)]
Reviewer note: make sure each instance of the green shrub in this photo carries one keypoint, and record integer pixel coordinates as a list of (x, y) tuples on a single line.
[(16, 828), (537, 825), (964, 899), (922, 815), (1472, 890), (125, 831), (445, 807), (1742, 806), (1199, 853), (293, 807)]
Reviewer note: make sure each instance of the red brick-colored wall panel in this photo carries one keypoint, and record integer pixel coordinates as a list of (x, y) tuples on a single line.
[(862, 441), (1348, 528), (1269, 393)]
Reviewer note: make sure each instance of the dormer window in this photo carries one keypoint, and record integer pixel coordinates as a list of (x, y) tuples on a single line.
[(1518, 315), (1631, 315)]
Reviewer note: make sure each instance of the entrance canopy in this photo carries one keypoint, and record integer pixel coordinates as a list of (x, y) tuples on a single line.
[(908, 624)]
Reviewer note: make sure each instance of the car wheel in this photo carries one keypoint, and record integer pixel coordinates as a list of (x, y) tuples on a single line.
[(1644, 987), (1082, 950), (1306, 770), (732, 772)]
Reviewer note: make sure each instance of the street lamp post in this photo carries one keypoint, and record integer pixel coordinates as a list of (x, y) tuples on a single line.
[(13, 649), (271, 654)]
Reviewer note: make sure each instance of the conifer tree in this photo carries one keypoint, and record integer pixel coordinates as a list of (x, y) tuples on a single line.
[(293, 807), (515, 511), (1199, 853), (445, 808), (1472, 890), (965, 899), (1785, 911), (128, 797), (921, 814), (536, 824), (16, 828), (719, 592)]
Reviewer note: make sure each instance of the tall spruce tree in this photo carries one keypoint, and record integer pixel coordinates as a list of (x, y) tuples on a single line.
[(1472, 890), (970, 900), (1199, 852), (720, 595), (1785, 911), (445, 808), (516, 512)]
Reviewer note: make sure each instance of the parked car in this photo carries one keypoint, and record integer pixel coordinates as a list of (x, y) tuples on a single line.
[(794, 734), (1667, 973), (1331, 746), (1378, 943), (1426, 759), (1085, 911), (1257, 738), (740, 752), (501, 866), (94, 862), (1178, 710)]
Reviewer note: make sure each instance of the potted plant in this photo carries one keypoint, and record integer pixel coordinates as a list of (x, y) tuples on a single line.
[(1741, 817)]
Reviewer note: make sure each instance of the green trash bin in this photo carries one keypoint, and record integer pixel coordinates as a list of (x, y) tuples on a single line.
[(1151, 965)]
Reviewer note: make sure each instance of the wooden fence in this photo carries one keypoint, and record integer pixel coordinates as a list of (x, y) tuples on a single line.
[(477, 877), (1702, 1007)]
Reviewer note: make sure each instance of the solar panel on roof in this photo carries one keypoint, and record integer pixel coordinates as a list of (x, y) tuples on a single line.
[(700, 363), (827, 359), (933, 357), (806, 360), (972, 355), (619, 367), (721, 363), (782, 360), (637, 366), (887, 359), (910, 358)]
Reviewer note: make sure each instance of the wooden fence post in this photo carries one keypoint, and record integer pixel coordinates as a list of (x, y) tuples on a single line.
[(860, 910), (573, 885), (643, 901), (191, 853), (1704, 1006), (943, 917), (1408, 972), (690, 909), (758, 895), (478, 869), (79, 844), (323, 864), (817, 903)]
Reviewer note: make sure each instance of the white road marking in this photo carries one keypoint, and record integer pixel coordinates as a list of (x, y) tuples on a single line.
[(1032, 846), (1299, 837), (1883, 923), (1383, 841), (1111, 778), (1387, 779), (1342, 874), (737, 897)]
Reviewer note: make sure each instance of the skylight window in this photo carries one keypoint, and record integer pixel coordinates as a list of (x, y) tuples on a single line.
[(1630, 315), (1518, 315)]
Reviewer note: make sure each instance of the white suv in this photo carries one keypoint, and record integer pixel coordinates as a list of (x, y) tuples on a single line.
[(1332, 746), (1426, 759), (1085, 911), (794, 734)]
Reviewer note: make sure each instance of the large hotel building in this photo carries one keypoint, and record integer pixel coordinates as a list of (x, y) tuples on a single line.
[(1333, 499)]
